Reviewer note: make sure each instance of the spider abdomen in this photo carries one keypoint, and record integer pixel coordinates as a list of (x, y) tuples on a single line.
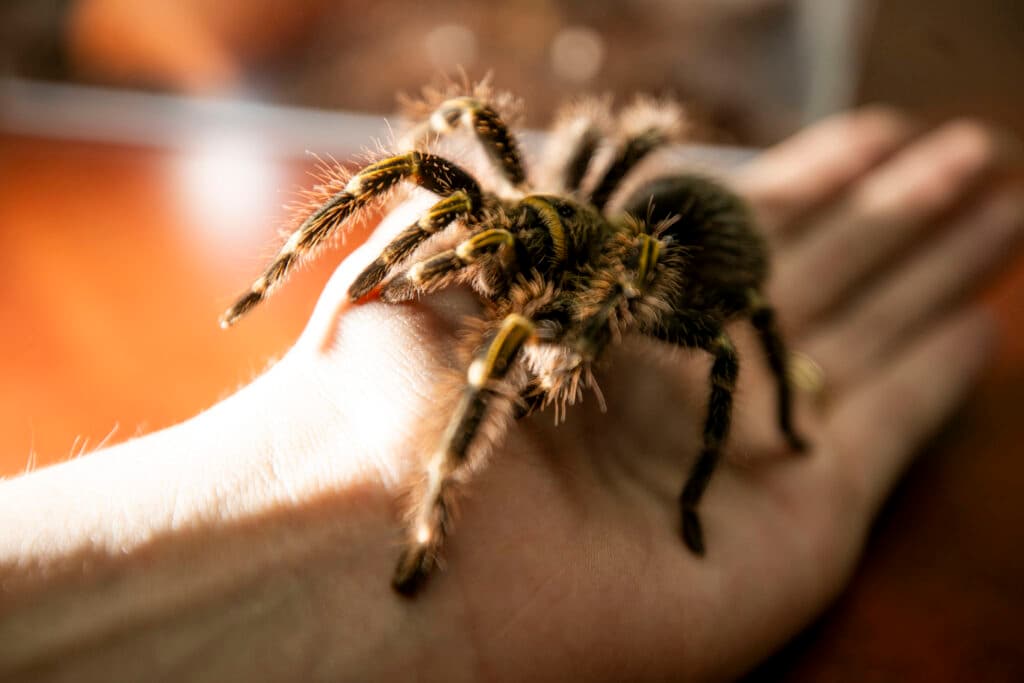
[(711, 232)]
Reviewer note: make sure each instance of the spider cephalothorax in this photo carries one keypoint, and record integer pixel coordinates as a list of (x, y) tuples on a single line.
[(560, 275)]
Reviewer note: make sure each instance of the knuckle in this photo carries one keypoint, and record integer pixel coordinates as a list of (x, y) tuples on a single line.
[(880, 120), (972, 143)]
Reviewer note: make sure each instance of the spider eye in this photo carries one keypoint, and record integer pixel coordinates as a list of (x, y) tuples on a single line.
[(565, 210)]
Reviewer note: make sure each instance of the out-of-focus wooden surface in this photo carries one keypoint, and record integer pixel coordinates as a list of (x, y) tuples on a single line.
[(113, 284), (113, 281)]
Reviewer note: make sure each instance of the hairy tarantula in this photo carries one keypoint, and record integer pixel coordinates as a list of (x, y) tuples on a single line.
[(561, 278)]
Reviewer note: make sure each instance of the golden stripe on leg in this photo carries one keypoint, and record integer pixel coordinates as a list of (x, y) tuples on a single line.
[(434, 272), (438, 217)]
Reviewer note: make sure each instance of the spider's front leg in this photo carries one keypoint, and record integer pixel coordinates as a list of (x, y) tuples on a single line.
[(431, 518), (696, 330), (426, 170)]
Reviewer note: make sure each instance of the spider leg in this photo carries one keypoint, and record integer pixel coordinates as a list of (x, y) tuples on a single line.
[(646, 126), (572, 144), (432, 517), (426, 170), (480, 118), (458, 205), (439, 270), (762, 317), (705, 332)]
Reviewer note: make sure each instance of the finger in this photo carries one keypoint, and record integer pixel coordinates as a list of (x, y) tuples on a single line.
[(800, 175), (879, 427), (884, 315), (334, 300), (882, 214)]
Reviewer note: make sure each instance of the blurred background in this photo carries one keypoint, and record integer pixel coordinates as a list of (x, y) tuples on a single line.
[(146, 149), (756, 69)]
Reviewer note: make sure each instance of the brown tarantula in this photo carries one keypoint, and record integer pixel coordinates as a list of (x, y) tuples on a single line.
[(561, 277)]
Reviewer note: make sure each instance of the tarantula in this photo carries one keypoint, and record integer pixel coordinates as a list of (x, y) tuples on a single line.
[(561, 277)]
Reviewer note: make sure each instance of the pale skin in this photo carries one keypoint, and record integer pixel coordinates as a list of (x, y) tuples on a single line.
[(257, 540)]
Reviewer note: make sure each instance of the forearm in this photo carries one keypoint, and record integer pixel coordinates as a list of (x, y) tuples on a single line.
[(200, 552)]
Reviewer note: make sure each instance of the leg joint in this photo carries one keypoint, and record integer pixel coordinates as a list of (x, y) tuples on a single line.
[(486, 242)]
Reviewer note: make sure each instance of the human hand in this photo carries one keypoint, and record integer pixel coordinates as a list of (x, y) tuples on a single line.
[(566, 559)]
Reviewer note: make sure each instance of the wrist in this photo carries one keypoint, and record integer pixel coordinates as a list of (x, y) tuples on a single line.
[(227, 534)]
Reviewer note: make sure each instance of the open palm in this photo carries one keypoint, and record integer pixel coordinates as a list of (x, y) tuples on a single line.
[(566, 561)]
